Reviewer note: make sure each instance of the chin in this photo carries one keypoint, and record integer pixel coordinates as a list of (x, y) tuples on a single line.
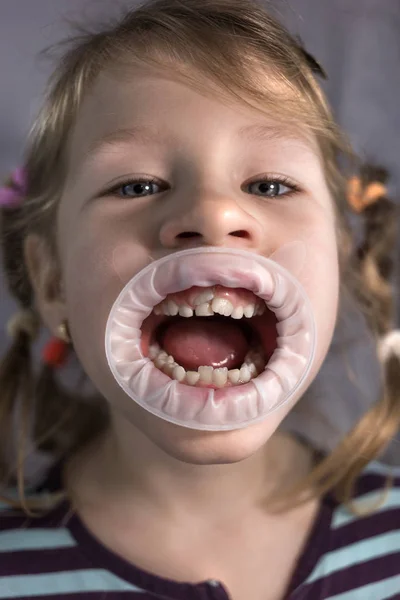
[(204, 447)]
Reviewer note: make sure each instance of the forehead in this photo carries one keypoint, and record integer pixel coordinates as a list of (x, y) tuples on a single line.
[(156, 106)]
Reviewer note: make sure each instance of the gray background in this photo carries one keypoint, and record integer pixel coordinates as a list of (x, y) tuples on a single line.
[(358, 43)]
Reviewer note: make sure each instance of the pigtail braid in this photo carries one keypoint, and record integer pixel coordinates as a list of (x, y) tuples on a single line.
[(36, 411), (369, 279)]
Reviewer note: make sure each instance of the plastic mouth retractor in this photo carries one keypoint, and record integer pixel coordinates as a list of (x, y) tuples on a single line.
[(199, 407)]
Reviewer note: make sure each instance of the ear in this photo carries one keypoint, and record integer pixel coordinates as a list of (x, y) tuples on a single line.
[(45, 278)]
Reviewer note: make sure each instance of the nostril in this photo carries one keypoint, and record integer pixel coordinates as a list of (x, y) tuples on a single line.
[(188, 234), (241, 233)]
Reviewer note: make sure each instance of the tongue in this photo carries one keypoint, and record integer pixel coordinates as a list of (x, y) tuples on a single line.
[(205, 342)]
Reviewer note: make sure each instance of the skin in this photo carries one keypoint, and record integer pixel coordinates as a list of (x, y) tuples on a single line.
[(203, 169)]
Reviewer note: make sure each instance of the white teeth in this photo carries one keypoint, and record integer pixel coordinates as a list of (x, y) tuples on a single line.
[(222, 307), (179, 373), (154, 351), (205, 305), (237, 313), (245, 374), (204, 310), (185, 311), (192, 377), (203, 297), (249, 310), (220, 376), (234, 376), (253, 365), (172, 308), (206, 374)]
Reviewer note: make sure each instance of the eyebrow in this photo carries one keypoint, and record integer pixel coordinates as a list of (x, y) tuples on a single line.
[(146, 135)]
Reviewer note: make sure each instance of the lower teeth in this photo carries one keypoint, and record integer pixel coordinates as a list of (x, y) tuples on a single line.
[(252, 366)]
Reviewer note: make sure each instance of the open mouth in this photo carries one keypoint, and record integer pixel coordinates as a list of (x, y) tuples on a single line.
[(211, 337)]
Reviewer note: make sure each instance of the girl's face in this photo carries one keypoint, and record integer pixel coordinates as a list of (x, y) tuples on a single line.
[(204, 161)]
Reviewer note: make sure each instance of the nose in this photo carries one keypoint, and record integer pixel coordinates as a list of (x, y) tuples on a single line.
[(210, 220)]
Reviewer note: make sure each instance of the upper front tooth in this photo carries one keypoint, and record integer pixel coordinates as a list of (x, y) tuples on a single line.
[(222, 306), (202, 297), (204, 310), (185, 311), (173, 308), (237, 313), (249, 310)]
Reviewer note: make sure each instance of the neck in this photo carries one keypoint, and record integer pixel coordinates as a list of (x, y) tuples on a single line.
[(124, 469)]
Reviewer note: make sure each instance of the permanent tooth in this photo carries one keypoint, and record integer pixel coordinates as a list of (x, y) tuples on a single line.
[(203, 297), (234, 376), (185, 311), (173, 308), (249, 310), (237, 312), (204, 310), (220, 376), (206, 374), (245, 374), (222, 306), (179, 373), (192, 377)]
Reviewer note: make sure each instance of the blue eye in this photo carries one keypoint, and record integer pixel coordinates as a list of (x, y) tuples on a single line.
[(270, 188), (138, 188)]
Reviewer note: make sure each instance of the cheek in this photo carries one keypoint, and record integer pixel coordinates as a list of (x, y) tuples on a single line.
[(94, 274), (320, 279)]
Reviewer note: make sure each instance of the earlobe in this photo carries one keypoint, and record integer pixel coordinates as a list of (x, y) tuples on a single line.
[(45, 278)]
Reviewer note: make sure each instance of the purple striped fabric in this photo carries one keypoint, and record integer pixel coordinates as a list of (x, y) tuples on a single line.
[(345, 557)]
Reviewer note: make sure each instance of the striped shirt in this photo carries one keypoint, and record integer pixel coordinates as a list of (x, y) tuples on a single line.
[(345, 557)]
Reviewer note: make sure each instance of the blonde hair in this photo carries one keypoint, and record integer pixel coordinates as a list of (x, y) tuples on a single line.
[(229, 47)]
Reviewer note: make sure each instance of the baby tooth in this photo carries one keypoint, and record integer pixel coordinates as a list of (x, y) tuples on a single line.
[(170, 360), (185, 311), (220, 376), (159, 362), (173, 308), (168, 368), (192, 377), (204, 310), (253, 370), (206, 374), (245, 374), (203, 297), (234, 376), (237, 313), (158, 310), (249, 310), (222, 307), (179, 373)]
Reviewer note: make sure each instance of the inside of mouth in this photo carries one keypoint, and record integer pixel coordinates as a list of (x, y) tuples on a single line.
[(210, 351)]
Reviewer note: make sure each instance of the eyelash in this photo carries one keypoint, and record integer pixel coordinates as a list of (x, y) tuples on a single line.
[(267, 178)]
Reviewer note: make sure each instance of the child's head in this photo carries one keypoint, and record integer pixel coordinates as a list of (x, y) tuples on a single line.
[(217, 113)]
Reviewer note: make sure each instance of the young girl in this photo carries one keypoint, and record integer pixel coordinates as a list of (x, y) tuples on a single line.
[(179, 223)]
